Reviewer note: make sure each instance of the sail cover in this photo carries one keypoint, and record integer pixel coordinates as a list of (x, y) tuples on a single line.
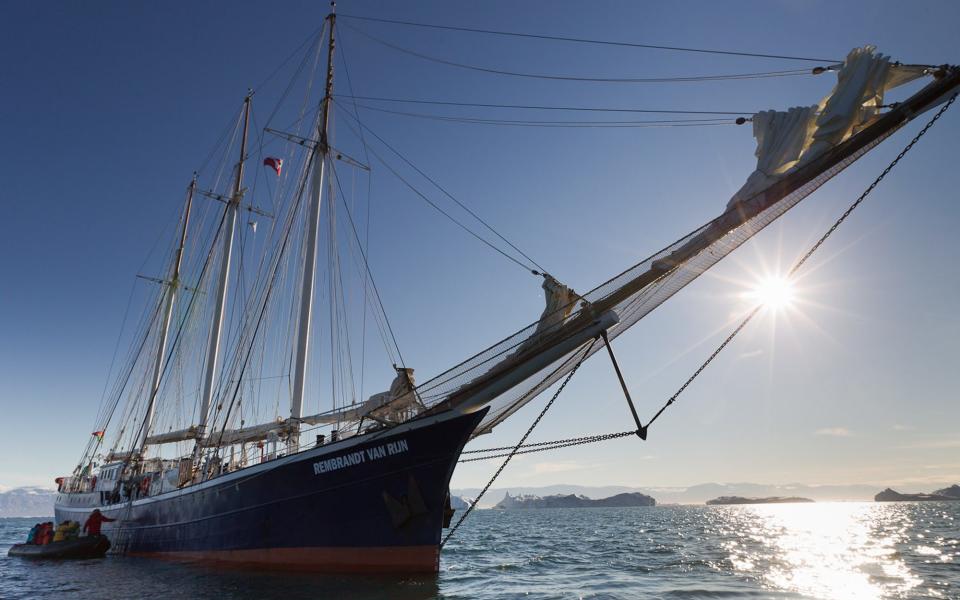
[(797, 151)]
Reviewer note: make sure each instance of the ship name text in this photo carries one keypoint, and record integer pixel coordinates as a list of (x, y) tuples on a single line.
[(359, 457)]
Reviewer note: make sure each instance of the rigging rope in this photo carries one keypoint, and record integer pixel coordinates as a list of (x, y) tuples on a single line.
[(314, 37), (686, 79), (366, 264), (181, 327), (557, 38), (542, 107), (365, 247), (446, 214), (816, 246), (516, 449), (233, 125), (562, 124), (556, 444), (451, 197)]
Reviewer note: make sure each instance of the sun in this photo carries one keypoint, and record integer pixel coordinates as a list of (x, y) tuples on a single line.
[(774, 293)]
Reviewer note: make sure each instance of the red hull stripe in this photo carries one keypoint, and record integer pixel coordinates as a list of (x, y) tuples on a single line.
[(407, 559)]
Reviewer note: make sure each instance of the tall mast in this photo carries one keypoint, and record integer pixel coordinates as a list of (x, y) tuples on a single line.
[(172, 286), (319, 159), (233, 205)]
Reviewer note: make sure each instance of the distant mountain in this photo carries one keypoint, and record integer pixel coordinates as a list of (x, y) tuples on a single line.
[(528, 501), (701, 493), (951, 493), (697, 494), (495, 495), (725, 500), (27, 502)]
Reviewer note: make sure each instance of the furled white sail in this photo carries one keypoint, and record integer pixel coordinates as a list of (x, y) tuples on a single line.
[(391, 406), (559, 304), (855, 100), (181, 435), (787, 140), (797, 151), (782, 137), (253, 433)]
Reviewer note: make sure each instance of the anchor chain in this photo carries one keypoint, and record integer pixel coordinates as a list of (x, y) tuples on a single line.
[(556, 444), (544, 446), (516, 448), (808, 254)]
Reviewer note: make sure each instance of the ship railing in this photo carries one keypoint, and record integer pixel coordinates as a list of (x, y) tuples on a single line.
[(257, 453), (77, 485)]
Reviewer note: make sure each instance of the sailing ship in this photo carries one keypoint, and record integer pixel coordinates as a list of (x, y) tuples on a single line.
[(364, 486)]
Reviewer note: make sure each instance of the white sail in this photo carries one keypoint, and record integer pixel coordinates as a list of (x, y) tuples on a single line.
[(797, 150), (180, 435), (795, 156), (247, 434)]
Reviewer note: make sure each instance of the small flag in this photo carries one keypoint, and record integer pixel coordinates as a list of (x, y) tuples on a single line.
[(274, 163), (98, 434)]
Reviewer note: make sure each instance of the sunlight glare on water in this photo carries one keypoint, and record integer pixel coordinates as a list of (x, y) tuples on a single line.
[(822, 551), (829, 550)]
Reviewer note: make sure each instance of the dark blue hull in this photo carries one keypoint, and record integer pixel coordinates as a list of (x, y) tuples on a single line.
[(373, 502)]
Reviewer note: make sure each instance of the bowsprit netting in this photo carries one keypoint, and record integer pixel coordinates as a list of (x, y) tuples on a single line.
[(798, 150), (630, 307), (634, 293), (524, 448)]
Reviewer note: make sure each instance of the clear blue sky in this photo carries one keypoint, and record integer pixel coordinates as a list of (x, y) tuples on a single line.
[(107, 108)]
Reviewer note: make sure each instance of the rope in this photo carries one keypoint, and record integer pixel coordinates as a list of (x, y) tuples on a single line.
[(556, 444), (312, 38), (807, 255), (544, 107), (365, 247), (366, 264), (557, 38), (433, 204), (569, 124), (450, 196), (516, 448), (687, 79)]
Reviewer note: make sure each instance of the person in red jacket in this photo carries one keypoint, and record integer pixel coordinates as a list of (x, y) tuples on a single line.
[(45, 535), (94, 521)]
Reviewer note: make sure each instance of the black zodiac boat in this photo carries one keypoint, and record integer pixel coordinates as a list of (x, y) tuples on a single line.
[(93, 546)]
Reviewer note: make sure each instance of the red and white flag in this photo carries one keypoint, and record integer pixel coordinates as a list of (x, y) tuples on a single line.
[(274, 163)]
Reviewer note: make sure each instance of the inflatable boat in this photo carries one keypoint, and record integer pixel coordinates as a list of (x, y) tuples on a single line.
[(93, 546)]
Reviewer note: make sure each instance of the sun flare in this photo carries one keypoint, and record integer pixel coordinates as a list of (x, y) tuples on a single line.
[(775, 293)]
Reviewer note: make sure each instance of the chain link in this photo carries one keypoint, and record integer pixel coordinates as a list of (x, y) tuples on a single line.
[(808, 254), (554, 445), (519, 444)]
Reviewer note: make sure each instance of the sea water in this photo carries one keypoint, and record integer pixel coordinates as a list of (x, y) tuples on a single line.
[(842, 551)]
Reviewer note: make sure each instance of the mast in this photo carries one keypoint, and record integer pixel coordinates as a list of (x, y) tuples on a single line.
[(319, 159), (172, 286), (233, 205)]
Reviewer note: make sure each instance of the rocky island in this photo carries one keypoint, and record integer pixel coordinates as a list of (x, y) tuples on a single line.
[(726, 500), (946, 494), (574, 501)]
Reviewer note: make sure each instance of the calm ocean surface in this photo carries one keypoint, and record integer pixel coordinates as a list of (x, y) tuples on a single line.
[(846, 551)]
